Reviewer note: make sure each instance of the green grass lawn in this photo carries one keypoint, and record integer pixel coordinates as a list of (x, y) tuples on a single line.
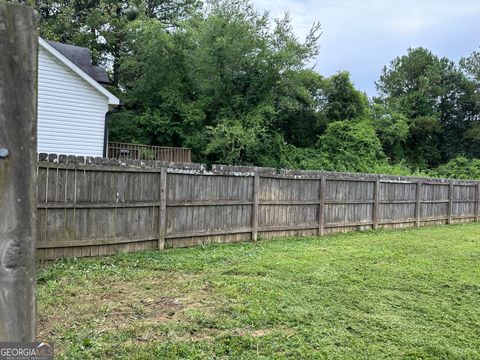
[(411, 294)]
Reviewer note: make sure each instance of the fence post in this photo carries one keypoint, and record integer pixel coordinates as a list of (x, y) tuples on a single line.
[(321, 207), (18, 159), (477, 203), (376, 193), (418, 204), (162, 209), (450, 203), (256, 186)]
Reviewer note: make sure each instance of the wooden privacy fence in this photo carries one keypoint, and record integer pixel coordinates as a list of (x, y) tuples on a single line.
[(148, 152), (92, 206)]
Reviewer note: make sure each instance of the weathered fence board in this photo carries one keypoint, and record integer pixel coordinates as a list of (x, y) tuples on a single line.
[(93, 207)]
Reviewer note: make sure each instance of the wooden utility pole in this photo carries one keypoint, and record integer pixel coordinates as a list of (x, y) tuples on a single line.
[(18, 152)]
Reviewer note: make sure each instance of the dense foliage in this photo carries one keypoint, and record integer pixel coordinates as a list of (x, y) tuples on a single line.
[(461, 168), (221, 78)]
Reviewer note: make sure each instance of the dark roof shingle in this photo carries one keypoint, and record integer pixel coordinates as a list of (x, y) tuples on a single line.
[(82, 57)]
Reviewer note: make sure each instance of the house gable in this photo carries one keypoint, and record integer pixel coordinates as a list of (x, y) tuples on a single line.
[(112, 99), (71, 110)]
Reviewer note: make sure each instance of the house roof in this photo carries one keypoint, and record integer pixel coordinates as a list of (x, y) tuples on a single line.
[(79, 55), (82, 57)]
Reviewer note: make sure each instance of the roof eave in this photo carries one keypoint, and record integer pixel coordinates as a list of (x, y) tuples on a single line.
[(112, 99)]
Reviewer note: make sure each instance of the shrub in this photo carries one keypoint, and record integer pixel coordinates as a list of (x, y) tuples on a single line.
[(459, 168)]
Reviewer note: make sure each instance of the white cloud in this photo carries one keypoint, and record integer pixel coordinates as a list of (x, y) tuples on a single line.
[(411, 24), (362, 36)]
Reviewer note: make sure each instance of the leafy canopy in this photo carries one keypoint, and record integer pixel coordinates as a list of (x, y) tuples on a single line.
[(224, 79)]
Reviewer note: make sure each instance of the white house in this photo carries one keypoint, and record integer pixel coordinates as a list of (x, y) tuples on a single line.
[(72, 103)]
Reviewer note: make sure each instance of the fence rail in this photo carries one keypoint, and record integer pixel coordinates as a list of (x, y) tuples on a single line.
[(93, 207), (125, 151)]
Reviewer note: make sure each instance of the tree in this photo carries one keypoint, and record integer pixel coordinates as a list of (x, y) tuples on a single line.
[(300, 95), (102, 25), (392, 129), (471, 67), (437, 99), (471, 139), (226, 84), (341, 100)]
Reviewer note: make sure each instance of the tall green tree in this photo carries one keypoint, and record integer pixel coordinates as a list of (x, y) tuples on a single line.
[(341, 100), (225, 84), (438, 100), (471, 67), (392, 129), (299, 99), (102, 25)]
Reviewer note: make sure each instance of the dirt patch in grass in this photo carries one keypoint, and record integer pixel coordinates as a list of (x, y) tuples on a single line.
[(148, 309), (115, 305), (209, 334), (264, 332)]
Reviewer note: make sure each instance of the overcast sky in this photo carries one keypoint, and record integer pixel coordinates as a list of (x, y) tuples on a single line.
[(362, 36)]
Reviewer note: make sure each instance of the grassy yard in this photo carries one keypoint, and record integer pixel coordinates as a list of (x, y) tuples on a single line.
[(411, 294)]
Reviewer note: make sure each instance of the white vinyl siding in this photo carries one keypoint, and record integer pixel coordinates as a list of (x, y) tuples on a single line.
[(71, 112)]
